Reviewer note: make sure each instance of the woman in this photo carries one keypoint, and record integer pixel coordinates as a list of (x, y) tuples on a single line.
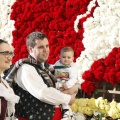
[(7, 96)]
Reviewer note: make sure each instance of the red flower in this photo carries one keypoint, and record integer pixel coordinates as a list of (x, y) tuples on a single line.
[(113, 52), (118, 77), (112, 76), (88, 76), (107, 69), (109, 61), (55, 18), (89, 87), (99, 73), (117, 66), (97, 63)]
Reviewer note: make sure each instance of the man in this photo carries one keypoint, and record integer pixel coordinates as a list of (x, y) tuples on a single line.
[(35, 84)]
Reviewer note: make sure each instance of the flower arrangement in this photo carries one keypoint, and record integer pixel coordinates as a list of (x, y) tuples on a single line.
[(51, 17), (107, 69), (94, 109), (101, 41), (91, 28), (6, 25)]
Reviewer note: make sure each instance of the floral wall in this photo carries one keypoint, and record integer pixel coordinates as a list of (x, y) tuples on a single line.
[(90, 27)]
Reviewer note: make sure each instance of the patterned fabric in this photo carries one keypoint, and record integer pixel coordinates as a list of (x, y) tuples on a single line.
[(62, 74), (47, 76), (9, 74), (29, 106), (57, 115), (68, 74)]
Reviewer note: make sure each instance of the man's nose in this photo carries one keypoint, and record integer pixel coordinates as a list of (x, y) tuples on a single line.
[(45, 48)]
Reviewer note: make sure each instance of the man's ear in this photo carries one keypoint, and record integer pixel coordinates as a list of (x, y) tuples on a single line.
[(30, 49)]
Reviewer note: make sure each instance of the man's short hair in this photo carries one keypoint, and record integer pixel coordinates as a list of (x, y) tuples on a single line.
[(32, 37)]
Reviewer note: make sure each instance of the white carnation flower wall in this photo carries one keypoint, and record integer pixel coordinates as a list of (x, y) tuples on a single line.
[(6, 25), (102, 31), (102, 34)]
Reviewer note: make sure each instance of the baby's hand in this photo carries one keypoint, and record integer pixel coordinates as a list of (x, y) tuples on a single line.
[(51, 68), (64, 85)]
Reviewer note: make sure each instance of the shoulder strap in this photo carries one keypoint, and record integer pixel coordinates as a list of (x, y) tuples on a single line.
[(48, 78)]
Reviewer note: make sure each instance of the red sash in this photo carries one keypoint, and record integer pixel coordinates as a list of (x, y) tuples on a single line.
[(21, 118), (3, 108), (57, 115)]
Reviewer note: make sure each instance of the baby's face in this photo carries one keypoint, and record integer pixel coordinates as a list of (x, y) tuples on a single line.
[(66, 58)]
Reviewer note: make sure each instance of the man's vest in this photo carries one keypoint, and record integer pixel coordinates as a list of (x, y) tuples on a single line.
[(29, 106)]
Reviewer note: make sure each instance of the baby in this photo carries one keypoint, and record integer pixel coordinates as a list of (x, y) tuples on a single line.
[(65, 71)]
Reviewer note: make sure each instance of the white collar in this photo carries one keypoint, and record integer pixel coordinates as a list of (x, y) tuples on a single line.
[(43, 65)]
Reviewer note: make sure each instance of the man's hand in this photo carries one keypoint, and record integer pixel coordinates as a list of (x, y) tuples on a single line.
[(64, 85), (71, 91), (72, 99)]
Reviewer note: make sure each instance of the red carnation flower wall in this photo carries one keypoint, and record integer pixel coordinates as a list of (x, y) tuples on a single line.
[(54, 18), (107, 69)]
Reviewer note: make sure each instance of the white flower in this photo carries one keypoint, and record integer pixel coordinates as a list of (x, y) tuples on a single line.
[(79, 116), (101, 34), (6, 25), (90, 6)]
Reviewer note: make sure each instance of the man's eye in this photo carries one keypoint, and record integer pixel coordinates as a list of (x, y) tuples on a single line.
[(40, 47)]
